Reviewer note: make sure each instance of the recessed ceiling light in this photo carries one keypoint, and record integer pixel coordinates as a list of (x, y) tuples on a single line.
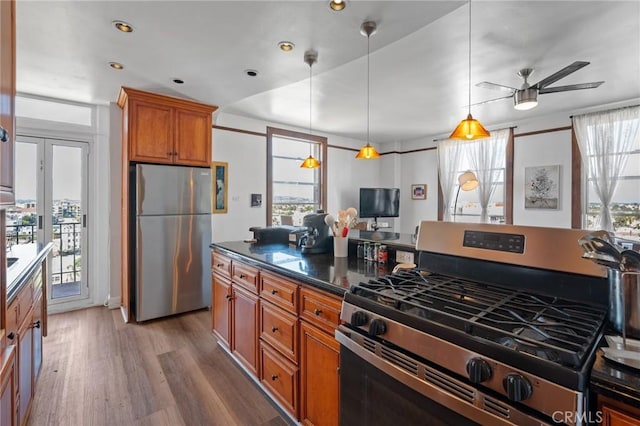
[(123, 26), (337, 5), (116, 65), (178, 81), (251, 73), (286, 46)]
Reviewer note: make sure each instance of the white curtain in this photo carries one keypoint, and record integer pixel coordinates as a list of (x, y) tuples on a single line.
[(488, 158), (449, 162), (605, 139)]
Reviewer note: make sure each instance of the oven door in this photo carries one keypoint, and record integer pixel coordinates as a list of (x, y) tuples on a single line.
[(381, 386)]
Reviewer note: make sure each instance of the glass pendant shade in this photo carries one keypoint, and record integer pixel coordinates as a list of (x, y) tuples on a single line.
[(367, 152), (469, 129), (310, 163)]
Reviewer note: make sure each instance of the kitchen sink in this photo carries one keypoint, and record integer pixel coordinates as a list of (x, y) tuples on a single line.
[(11, 261)]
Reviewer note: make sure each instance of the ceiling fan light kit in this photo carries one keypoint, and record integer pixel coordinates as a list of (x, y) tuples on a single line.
[(525, 99)]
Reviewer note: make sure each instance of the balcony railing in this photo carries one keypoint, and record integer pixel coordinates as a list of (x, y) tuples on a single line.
[(66, 261)]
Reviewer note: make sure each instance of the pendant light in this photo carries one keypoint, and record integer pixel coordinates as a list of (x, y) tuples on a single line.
[(469, 128), (310, 57), (368, 152)]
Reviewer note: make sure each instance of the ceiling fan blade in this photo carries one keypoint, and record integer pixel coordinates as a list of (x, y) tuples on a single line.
[(580, 86), (494, 86), (489, 101), (560, 74)]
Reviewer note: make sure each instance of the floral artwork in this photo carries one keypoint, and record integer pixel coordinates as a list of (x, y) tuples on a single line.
[(541, 187)]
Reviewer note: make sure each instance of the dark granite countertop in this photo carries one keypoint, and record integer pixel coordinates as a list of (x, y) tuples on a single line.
[(29, 257), (615, 380), (324, 271)]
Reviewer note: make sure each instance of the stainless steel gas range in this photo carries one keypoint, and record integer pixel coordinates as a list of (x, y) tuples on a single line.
[(497, 325)]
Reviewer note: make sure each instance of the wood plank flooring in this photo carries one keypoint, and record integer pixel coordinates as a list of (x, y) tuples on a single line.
[(98, 370)]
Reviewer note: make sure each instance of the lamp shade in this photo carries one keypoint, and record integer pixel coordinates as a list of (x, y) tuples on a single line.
[(468, 181), (367, 152), (310, 163), (469, 129)]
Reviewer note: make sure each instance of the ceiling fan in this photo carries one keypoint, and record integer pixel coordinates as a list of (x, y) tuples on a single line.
[(526, 97)]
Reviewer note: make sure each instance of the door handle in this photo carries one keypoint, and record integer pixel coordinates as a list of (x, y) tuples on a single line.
[(36, 324)]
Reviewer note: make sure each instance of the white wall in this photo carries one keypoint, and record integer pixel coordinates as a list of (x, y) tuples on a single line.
[(115, 190)]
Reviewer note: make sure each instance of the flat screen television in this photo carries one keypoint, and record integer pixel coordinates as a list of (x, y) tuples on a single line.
[(379, 202)]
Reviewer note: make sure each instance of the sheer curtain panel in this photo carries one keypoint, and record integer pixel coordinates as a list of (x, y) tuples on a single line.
[(605, 139), (488, 158), (449, 163)]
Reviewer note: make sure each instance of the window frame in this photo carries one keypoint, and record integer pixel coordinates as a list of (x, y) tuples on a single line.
[(305, 137)]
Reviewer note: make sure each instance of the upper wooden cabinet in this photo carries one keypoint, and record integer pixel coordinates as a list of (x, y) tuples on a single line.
[(165, 130), (7, 99)]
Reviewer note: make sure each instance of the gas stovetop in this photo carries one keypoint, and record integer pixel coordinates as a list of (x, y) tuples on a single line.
[(543, 327)]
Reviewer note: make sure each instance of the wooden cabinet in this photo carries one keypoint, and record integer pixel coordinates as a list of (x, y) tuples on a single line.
[(616, 413), (221, 308), (281, 331), (319, 357), (25, 367), (166, 130), (8, 415), (7, 100), (244, 328), (319, 379)]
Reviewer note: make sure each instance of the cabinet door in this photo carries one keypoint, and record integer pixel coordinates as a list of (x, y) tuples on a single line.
[(319, 384), (244, 339), (25, 368), (8, 387), (221, 307), (151, 132), (7, 99), (37, 340), (193, 138)]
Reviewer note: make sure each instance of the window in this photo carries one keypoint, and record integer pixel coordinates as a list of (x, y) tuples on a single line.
[(293, 192), (609, 145)]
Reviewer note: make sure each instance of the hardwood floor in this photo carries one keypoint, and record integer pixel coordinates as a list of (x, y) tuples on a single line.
[(100, 371)]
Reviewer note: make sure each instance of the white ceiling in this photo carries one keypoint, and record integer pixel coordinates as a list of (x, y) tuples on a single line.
[(418, 57)]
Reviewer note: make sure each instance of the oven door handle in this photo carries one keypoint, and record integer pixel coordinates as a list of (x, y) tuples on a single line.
[(472, 410)]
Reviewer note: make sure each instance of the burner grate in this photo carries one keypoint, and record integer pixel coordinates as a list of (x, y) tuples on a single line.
[(547, 327)]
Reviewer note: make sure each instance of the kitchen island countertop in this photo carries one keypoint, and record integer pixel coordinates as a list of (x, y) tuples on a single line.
[(324, 271)]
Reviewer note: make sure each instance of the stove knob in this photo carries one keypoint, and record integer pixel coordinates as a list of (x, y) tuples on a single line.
[(377, 327), (359, 318), (478, 370), (517, 387)]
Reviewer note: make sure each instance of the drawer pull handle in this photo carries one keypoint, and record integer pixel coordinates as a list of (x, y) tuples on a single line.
[(317, 311), (11, 335), (274, 329), (274, 291), (219, 265), (242, 276), (274, 377)]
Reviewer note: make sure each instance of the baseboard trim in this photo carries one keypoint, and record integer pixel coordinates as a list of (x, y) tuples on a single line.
[(114, 302)]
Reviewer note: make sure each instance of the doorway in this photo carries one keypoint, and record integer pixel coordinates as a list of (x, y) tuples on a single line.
[(51, 206)]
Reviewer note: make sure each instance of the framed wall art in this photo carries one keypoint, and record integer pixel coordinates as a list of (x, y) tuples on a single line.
[(541, 187), (220, 173), (419, 191)]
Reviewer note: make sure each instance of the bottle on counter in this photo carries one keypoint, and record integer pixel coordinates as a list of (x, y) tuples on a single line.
[(374, 255), (367, 251), (383, 254), (360, 250)]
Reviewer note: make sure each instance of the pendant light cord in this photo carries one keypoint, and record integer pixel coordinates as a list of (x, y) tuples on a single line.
[(310, 99), (368, 84), (469, 57)]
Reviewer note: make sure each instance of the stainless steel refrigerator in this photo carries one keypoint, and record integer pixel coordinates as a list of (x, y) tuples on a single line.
[(172, 259)]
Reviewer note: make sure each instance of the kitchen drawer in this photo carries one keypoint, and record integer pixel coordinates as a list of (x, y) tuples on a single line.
[(220, 264), (245, 275), (320, 309), (280, 377), (279, 291), (279, 329)]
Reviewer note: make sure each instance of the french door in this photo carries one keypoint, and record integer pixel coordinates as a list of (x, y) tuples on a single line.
[(51, 206)]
